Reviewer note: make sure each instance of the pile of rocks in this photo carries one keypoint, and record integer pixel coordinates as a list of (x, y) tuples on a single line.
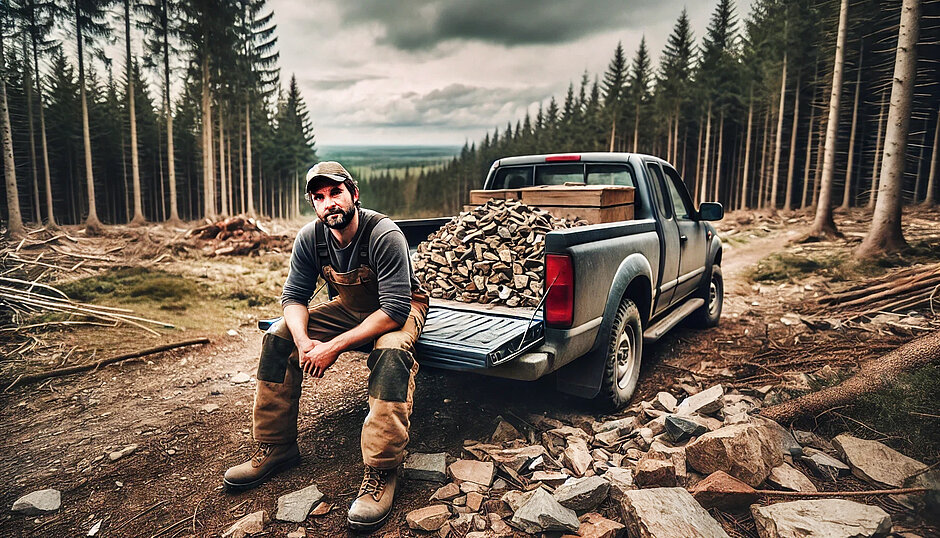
[(654, 470), (491, 254)]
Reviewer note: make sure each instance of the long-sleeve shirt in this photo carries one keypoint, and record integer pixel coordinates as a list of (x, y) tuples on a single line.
[(389, 259)]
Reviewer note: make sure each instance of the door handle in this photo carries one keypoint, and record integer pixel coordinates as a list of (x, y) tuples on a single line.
[(683, 238)]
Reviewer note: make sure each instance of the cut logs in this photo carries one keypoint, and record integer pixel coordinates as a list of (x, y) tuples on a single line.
[(235, 236), (491, 254), (899, 291)]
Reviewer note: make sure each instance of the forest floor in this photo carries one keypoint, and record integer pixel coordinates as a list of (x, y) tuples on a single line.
[(190, 417)]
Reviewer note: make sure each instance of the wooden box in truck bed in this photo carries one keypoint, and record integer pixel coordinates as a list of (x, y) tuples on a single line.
[(595, 203)]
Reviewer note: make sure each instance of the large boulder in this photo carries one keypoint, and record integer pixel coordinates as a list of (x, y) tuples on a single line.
[(542, 513), (876, 463), (667, 513), (706, 402), (747, 452), (822, 518), (582, 494)]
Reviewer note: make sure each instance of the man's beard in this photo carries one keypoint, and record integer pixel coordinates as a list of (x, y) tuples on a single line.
[(345, 217)]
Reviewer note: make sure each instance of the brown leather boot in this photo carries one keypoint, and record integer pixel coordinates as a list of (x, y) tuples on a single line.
[(374, 502), (266, 461)]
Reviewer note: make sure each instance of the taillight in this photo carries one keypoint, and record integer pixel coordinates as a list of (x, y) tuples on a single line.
[(556, 158), (559, 280)]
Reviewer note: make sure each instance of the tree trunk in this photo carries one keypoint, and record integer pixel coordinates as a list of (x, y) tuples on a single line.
[(241, 173), (874, 375), (675, 141), (248, 166), (762, 187), (847, 192), (820, 151), (788, 201), (698, 162), (636, 128), (809, 155), (50, 214), (823, 223), (27, 82), (14, 218), (929, 197), (885, 233), (876, 165), (223, 185), (92, 224), (918, 175), (135, 161), (743, 203), (778, 143), (208, 169), (721, 140), (685, 139), (228, 174), (170, 153), (708, 137)]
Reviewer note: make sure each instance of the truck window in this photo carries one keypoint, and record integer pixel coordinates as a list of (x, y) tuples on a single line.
[(610, 174), (559, 174), (512, 177), (656, 182), (680, 197)]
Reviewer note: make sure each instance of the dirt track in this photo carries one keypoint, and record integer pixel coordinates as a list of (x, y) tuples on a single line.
[(57, 434)]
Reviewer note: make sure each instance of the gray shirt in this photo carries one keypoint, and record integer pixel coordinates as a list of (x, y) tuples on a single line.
[(389, 259)]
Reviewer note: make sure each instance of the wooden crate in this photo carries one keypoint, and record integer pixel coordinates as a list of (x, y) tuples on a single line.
[(577, 196), (594, 215), (480, 197)]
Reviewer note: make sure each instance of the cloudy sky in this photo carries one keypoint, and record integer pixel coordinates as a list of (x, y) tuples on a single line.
[(439, 72)]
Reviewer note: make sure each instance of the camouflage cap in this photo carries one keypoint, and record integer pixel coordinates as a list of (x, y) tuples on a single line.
[(330, 170)]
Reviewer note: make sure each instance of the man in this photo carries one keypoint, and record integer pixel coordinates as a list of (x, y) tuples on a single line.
[(364, 259)]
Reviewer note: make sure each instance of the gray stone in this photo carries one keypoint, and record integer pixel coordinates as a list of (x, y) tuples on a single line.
[(430, 467), (543, 513), (676, 455), (576, 457), (126, 451), (621, 480), (624, 425), (706, 402), (745, 451), (582, 494), (665, 402), (876, 463), (295, 507), (504, 432), (239, 378), (516, 499), (210, 407), (552, 478), (812, 440), (38, 502), (824, 465), (253, 523), (679, 428), (789, 478), (829, 518), (667, 513), (446, 492)]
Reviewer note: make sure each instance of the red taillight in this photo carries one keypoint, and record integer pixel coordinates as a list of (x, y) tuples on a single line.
[(559, 280), (556, 158)]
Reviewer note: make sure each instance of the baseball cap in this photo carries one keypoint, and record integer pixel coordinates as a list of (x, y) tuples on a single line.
[(330, 170)]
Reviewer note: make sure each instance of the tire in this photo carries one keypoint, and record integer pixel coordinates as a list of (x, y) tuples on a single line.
[(623, 356), (713, 291)]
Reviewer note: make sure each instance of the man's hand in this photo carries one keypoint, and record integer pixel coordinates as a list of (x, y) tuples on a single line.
[(304, 347), (316, 361)]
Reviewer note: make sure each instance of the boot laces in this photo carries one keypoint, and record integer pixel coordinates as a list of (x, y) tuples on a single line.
[(261, 453), (373, 482)]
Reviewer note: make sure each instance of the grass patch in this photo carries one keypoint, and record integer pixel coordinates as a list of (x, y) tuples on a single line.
[(906, 412), (788, 267), (136, 284)]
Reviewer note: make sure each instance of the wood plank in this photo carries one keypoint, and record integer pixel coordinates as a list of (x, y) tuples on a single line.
[(577, 196), (480, 197), (594, 215)]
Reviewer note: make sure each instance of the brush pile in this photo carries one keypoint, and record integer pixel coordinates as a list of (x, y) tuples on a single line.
[(914, 288), (235, 236), (491, 254)]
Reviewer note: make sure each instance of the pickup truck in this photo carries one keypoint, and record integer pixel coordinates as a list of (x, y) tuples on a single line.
[(608, 288)]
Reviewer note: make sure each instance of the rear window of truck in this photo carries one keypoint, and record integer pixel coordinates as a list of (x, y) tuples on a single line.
[(516, 177)]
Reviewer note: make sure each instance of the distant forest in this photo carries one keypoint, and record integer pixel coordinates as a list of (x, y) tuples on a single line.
[(102, 140), (787, 107), (742, 113)]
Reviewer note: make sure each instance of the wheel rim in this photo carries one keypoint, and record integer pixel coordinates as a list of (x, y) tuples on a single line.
[(714, 297), (626, 356)]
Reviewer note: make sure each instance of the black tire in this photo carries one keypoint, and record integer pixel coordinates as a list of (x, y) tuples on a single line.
[(624, 354), (713, 291)]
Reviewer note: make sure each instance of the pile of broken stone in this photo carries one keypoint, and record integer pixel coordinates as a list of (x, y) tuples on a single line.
[(654, 470)]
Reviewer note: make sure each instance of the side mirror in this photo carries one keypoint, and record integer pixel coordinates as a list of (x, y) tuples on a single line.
[(711, 211)]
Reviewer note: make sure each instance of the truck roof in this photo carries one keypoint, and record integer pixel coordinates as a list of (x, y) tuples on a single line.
[(593, 156)]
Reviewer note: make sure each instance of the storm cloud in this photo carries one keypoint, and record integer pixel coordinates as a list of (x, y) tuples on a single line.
[(423, 24)]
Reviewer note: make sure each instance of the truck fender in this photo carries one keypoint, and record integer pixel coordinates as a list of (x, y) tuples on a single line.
[(634, 279), (712, 258)]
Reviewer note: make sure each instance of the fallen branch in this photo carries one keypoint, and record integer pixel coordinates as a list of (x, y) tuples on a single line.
[(874, 375), (30, 378), (899, 491)]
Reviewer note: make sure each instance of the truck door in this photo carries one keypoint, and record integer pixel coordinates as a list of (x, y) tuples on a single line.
[(692, 240), (669, 250)]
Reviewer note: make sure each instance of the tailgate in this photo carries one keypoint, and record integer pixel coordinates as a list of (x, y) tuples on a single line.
[(457, 338)]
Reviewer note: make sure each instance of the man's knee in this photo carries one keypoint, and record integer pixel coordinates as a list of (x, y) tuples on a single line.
[(276, 349), (395, 340)]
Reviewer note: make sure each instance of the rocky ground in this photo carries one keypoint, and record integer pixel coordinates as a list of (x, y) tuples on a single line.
[(138, 448)]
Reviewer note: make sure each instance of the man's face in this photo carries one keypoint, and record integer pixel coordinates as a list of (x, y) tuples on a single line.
[(335, 205)]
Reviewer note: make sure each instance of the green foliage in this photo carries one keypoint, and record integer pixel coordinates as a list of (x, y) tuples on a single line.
[(790, 267), (136, 284)]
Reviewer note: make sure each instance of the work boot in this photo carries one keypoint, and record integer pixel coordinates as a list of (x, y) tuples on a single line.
[(267, 460), (374, 502)]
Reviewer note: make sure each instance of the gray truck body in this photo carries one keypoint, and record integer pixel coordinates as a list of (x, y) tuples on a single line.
[(661, 260)]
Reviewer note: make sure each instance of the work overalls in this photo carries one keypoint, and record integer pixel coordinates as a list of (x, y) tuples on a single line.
[(391, 363)]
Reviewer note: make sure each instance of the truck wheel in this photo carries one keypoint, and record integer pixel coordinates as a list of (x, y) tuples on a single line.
[(624, 354), (714, 293)]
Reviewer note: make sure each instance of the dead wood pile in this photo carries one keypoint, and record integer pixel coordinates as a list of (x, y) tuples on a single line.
[(235, 236), (491, 254), (901, 291)]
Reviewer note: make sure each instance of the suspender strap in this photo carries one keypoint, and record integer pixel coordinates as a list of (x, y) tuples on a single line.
[(366, 238)]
